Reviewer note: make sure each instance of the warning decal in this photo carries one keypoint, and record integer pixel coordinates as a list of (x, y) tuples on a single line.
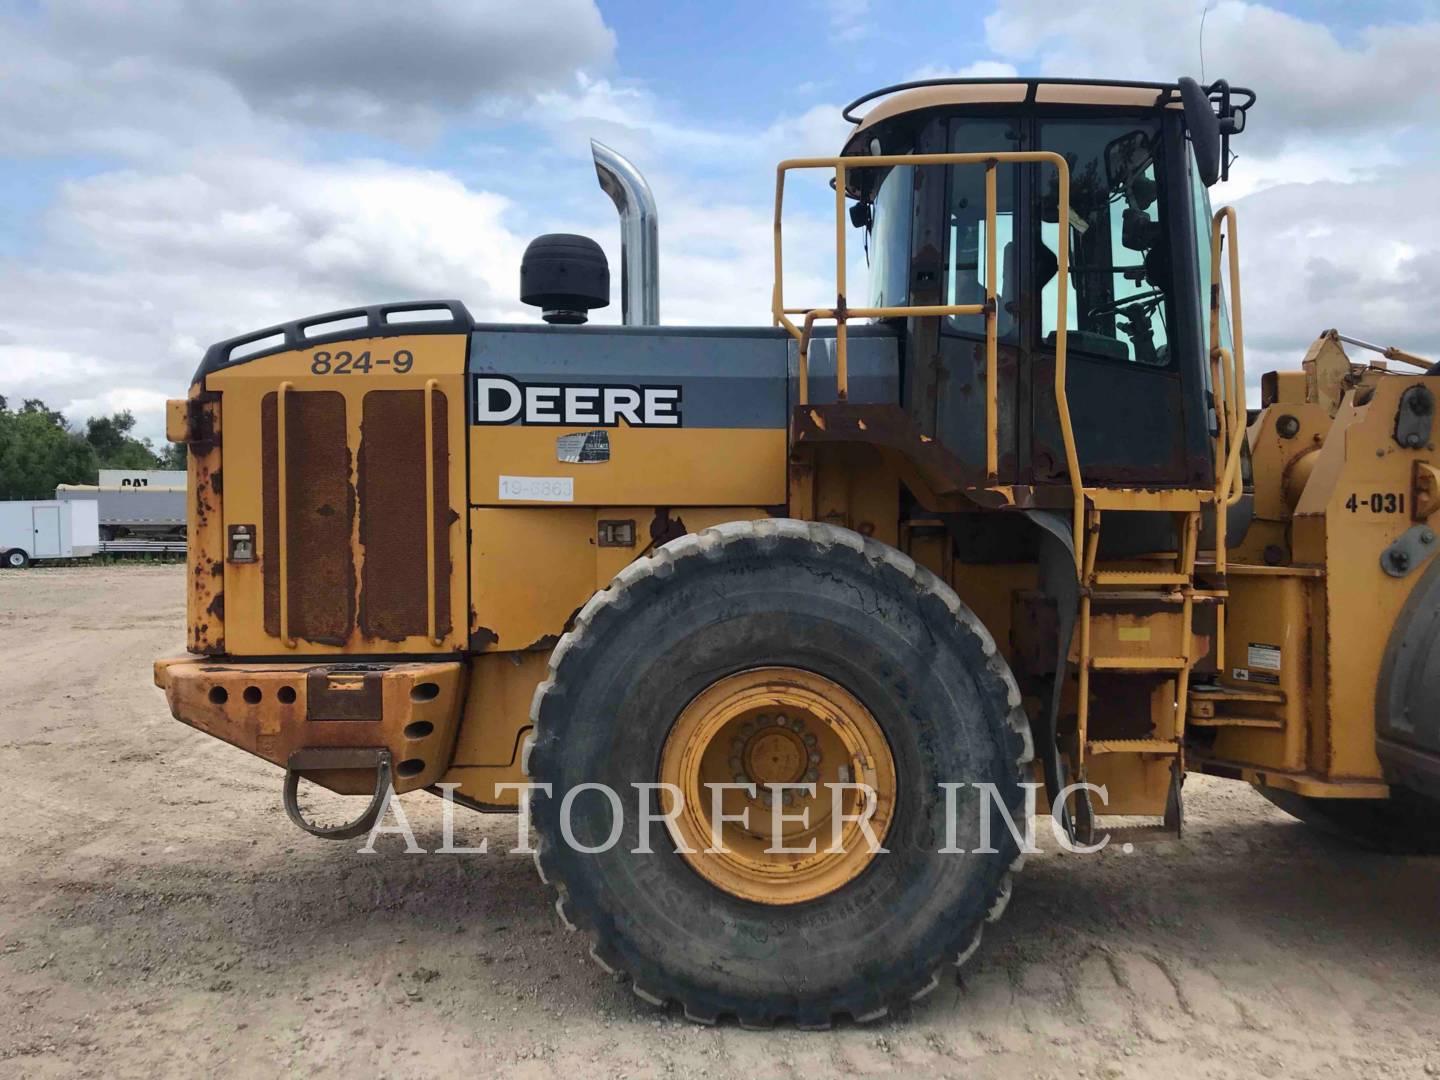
[(1264, 657)]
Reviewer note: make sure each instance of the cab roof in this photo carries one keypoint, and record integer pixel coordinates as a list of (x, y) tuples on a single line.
[(931, 93)]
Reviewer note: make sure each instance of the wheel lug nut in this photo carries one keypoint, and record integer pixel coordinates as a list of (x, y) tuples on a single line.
[(812, 775), (740, 778), (810, 740), (735, 764), (814, 758)]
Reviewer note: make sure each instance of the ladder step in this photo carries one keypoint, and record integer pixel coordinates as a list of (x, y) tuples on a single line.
[(1172, 500), (1132, 746), (1138, 663), (1235, 721), (1139, 834), (1139, 596), (1153, 596), (1140, 577), (1212, 692)]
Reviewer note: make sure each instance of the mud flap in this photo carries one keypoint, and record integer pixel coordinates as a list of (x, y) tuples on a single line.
[(338, 758), (1058, 581)]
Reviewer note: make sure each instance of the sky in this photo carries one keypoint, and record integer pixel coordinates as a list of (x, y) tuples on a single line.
[(175, 172)]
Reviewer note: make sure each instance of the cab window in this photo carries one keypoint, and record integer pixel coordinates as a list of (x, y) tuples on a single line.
[(1118, 292), (889, 239), (1203, 240), (965, 270)]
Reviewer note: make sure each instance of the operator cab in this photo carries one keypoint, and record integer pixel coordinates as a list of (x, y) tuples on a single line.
[(1140, 157)]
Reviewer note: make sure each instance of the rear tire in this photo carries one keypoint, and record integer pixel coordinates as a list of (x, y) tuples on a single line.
[(15, 559), (1404, 824), (752, 595)]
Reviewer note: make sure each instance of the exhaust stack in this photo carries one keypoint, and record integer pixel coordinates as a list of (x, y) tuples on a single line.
[(639, 236)]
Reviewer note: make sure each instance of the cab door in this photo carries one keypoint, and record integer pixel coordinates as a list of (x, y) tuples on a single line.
[(1134, 354)]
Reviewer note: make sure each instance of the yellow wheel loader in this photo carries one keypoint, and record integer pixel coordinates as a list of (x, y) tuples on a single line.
[(778, 634)]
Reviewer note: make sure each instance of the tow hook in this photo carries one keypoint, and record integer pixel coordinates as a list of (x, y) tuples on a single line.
[(338, 758)]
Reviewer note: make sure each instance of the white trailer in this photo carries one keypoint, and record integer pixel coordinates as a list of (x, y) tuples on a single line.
[(48, 529), (143, 504)]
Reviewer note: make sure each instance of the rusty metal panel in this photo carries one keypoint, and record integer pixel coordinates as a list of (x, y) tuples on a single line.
[(205, 595), (411, 709), (320, 517), (392, 514), (341, 694)]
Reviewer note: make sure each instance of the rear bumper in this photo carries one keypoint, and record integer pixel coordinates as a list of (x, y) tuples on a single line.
[(273, 710)]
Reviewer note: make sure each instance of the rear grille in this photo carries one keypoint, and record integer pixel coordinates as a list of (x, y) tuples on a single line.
[(392, 514), (321, 504), (319, 518)]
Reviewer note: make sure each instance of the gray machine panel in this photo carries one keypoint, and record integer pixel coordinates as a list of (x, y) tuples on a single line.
[(872, 355), (741, 377), (727, 377)]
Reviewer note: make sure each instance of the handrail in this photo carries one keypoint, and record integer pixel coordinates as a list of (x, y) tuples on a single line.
[(430, 387), (1230, 369), (282, 510), (841, 311)]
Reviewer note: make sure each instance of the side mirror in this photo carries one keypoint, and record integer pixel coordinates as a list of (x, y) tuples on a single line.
[(1204, 128)]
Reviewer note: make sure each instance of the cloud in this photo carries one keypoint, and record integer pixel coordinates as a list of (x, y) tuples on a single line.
[(367, 65), (147, 268), (980, 69), (849, 19), (1310, 83), (206, 206), (631, 117), (1362, 257)]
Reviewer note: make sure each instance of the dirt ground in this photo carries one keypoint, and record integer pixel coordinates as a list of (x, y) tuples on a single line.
[(160, 917)]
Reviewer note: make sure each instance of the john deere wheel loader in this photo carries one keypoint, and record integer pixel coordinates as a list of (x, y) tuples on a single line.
[(859, 576)]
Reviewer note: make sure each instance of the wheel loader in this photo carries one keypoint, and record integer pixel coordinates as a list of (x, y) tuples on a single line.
[(754, 623)]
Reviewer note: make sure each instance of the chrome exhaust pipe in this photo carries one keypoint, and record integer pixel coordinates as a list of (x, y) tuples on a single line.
[(639, 235)]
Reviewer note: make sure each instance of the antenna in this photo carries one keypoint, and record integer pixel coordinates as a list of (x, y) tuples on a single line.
[(1210, 4)]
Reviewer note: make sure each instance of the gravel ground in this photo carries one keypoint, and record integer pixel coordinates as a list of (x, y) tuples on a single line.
[(159, 917)]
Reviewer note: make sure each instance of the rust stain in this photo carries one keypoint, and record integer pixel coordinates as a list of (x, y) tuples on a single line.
[(483, 636), (320, 569), (204, 604), (393, 602)]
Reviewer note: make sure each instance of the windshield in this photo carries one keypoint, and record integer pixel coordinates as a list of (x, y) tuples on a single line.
[(1203, 216), (889, 239)]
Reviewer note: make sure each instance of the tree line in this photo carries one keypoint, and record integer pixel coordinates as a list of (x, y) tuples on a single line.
[(39, 449)]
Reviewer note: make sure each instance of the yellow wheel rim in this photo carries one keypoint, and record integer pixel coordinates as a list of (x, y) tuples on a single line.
[(779, 726)]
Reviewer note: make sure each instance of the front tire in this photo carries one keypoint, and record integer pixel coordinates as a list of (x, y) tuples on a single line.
[(678, 627)]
